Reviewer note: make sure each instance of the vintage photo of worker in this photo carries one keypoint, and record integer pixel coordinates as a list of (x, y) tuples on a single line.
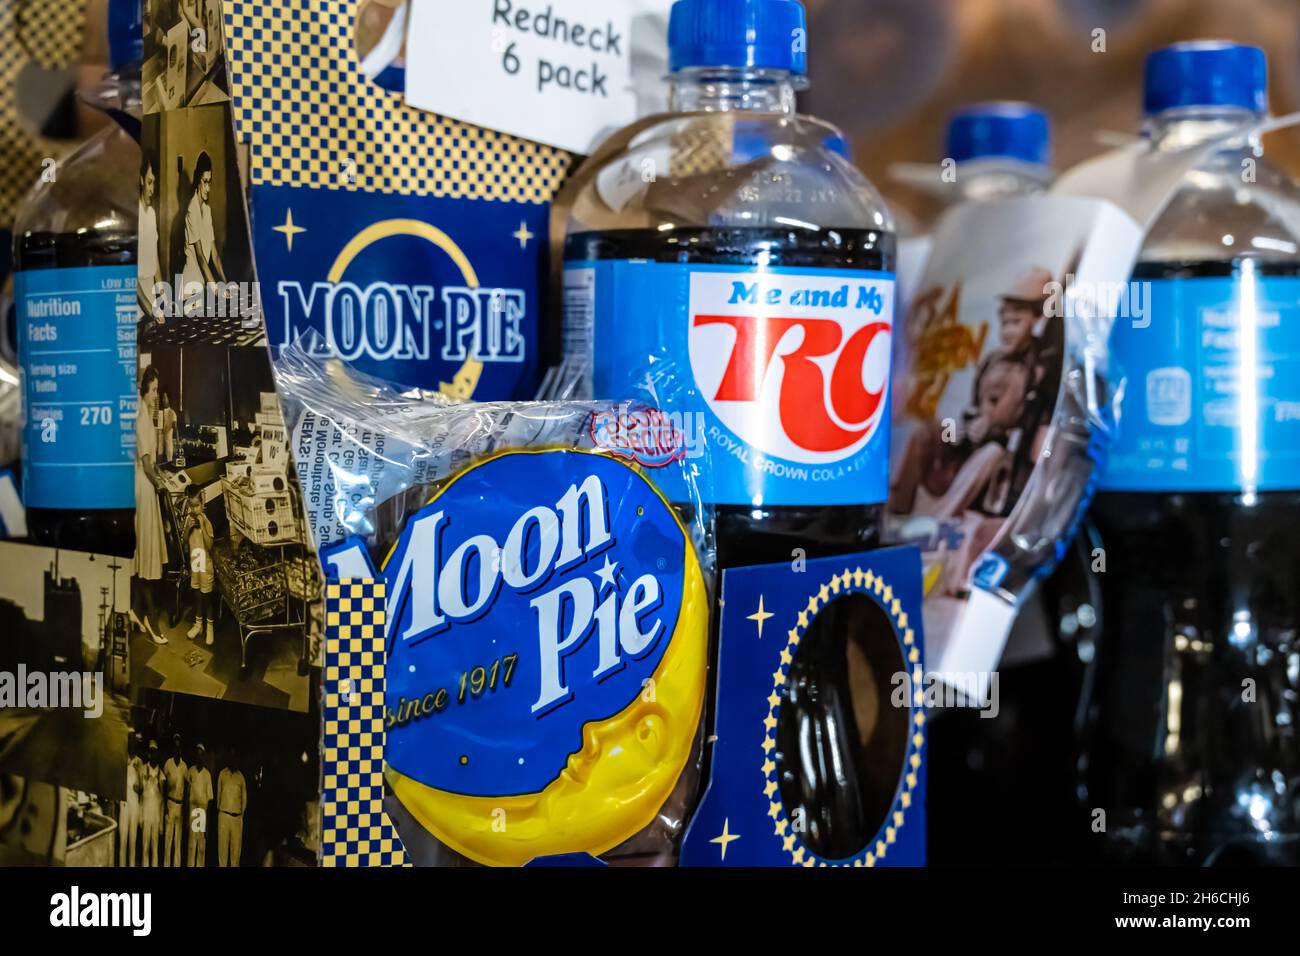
[(229, 589), (195, 258)]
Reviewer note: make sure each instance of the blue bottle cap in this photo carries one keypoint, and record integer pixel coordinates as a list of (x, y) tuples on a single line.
[(1007, 130), (1206, 73), (757, 34), (125, 33)]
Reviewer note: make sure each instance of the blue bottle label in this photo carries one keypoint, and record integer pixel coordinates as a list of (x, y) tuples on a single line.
[(782, 372), (76, 339), (1212, 400)]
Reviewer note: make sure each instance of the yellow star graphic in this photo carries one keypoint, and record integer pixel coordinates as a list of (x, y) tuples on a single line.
[(759, 616), (523, 235), (289, 229), (725, 837)]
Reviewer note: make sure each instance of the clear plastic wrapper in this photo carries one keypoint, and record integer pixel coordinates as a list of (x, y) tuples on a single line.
[(1002, 409), (548, 609)]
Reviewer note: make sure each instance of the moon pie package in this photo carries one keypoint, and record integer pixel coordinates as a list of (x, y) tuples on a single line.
[(547, 612)]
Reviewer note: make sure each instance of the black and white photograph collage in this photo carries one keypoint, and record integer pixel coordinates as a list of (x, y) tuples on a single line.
[(184, 62), (160, 709)]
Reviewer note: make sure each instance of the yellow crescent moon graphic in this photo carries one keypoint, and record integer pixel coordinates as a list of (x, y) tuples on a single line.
[(465, 381), (616, 783)]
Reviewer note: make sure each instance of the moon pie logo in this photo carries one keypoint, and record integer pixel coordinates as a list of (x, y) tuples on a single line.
[(464, 329), (547, 629)]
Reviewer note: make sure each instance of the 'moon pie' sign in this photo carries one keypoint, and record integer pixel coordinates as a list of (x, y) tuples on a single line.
[(547, 633)]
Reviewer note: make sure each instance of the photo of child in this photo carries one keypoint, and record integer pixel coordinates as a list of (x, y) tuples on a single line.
[(980, 460), (199, 536)]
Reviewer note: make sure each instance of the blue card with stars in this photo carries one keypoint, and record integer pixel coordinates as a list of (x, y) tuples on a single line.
[(439, 292), (818, 752)]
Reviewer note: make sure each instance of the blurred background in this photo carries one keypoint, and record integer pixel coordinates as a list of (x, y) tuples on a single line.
[(888, 72)]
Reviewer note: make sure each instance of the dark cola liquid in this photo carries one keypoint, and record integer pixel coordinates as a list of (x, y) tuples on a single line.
[(840, 745), (748, 536), (1001, 789), (102, 531), (1190, 732)]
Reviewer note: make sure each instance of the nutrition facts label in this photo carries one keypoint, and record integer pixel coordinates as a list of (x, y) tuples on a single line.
[(1212, 400), (76, 338)]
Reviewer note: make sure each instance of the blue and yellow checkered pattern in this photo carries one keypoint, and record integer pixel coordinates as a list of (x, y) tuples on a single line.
[(311, 117), (44, 34), (355, 831)]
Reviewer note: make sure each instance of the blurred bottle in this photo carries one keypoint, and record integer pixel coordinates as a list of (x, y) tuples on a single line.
[(1011, 772), (76, 299), (993, 150), (1190, 735), (999, 150)]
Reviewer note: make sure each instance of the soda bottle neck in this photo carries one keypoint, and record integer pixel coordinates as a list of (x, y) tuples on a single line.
[(117, 91), (988, 179), (731, 89), (1192, 126)]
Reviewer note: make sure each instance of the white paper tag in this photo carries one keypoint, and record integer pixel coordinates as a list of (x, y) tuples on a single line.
[(562, 72), (958, 502)]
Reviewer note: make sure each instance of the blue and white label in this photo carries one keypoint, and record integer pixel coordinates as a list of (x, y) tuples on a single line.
[(76, 339), (783, 373), (1212, 400)]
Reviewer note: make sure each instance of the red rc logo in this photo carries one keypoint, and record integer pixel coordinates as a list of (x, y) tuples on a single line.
[(804, 388)]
